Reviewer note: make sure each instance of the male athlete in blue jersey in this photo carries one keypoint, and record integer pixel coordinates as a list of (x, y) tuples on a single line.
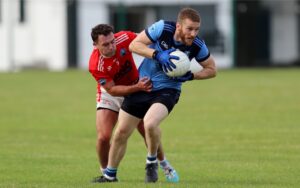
[(156, 43)]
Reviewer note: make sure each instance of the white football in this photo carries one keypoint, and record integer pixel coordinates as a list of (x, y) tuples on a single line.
[(182, 65)]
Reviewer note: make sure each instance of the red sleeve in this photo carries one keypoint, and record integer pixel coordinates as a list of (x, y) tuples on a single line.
[(97, 70)]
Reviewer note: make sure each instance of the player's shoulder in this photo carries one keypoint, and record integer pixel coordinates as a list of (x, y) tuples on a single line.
[(169, 24), (94, 58), (199, 42), (94, 55), (124, 35), (166, 26)]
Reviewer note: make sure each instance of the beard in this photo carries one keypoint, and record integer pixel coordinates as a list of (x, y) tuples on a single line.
[(110, 54), (189, 41), (186, 40)]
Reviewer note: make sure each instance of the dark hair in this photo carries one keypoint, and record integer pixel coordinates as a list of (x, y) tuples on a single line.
[(101, 29), (188, 13)]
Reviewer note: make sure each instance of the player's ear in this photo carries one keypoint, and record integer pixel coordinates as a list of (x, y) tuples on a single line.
[(95, 42), (178, 25)]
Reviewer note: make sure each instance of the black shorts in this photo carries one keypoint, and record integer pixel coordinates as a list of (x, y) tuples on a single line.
[(137, 104)]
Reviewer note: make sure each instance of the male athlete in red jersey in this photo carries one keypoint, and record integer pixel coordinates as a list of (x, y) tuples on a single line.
[(112, 65)]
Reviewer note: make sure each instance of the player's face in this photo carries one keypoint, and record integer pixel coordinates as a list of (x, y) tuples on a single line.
[(188, 30), (106, 45)]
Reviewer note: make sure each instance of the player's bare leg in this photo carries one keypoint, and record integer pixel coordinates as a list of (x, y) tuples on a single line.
[(126, 126), (170, 173), (160, 151), (153, 118), (105, 123), (156, 113)]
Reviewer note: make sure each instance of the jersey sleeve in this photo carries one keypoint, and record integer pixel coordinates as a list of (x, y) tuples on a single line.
[(204, 53), (98, 70), (100, 77), (155, 30)]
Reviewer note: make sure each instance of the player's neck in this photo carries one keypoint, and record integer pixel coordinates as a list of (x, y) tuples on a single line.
[(106, 57), (177, 38)]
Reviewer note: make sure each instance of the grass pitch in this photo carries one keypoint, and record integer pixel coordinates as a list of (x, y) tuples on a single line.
[(240, 129)]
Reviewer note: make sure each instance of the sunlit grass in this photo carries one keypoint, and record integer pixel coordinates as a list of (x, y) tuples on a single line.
[(240, 129)]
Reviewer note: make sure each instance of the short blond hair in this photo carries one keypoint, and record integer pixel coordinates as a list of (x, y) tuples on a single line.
[(188, 13)]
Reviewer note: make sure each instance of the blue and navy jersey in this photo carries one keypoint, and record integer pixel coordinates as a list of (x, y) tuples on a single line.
[(161, 34)]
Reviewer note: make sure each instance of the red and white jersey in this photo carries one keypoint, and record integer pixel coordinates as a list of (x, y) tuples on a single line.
[(120, 68)]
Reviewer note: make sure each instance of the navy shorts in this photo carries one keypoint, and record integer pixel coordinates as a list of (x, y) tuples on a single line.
[(137, 104)]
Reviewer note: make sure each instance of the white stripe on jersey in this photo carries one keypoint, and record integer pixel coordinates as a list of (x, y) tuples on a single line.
[(122, 38), (100, 64)]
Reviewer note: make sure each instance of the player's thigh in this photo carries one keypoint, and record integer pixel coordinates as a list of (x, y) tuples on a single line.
[(156, 113), (141, 128), (127, 124), (105, 122)]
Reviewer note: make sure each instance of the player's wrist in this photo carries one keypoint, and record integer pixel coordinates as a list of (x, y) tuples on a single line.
[(192, 77), (154, 54)]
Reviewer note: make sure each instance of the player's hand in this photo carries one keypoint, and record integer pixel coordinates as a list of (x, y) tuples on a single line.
[(145, 84), (163, 57), (187, 77)]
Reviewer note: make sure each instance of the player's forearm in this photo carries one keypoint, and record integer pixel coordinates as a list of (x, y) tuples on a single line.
[(122, 90), (205, 73), (209, 69), (141, 49)]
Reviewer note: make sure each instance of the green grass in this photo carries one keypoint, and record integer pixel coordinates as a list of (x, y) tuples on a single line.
[(240, 129)]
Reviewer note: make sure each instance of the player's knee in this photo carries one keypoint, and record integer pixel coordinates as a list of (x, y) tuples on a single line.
[(121, 135), (104, 138), (150, 125)]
